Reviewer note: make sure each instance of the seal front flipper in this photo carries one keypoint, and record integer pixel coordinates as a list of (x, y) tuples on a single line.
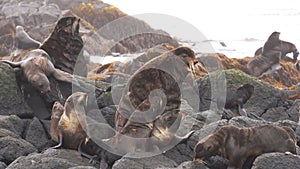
[(60, 143), (13, 64)]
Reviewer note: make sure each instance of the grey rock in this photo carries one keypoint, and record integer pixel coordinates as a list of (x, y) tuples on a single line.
[(12, 148), (13, 123), (36, 135), (51, 158), (83, 167), (11, 98), (242, 121), (191, 165), (276, 161), (4, 133), (149, 163), (2, 165)]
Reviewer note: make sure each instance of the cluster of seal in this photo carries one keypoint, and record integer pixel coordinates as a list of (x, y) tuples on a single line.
[(241, 145), (150, 103)]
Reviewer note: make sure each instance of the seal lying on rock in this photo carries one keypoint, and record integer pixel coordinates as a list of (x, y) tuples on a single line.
[(150, 104), (239, 145), (270, 56), (37, 67)]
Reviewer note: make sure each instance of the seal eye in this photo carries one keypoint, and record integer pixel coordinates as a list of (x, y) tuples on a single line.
[(133, 130)]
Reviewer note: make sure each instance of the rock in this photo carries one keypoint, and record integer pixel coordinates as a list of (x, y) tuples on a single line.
[(141, 163), (51, 158), (13, 124), (12, 148), (4, 133), (36, 135), (83, 167), (2, 165), (241, 121), (276, 161), (191, 165), (11, 98), (265, 100)]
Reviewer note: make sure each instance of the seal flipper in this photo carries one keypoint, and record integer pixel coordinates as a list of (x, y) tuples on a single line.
[(13, 64), (60, 142), (92, 159)]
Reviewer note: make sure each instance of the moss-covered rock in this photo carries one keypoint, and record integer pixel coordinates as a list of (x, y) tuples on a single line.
[(11, 98)]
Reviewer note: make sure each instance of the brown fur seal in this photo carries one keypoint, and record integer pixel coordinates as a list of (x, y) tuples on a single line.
[(270, 56), (72, 124), (239, 145), (150, 103), (236, 99), (57, 111), (37, 67), (65, 44), (274, 43)]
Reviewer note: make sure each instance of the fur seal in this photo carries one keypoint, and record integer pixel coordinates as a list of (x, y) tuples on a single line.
[(65, 44), (23, 40), (71, 126), (270, 56), (239, 145), (283, 46), (37, 67), (57, 111), (236, 99), (150, 103)]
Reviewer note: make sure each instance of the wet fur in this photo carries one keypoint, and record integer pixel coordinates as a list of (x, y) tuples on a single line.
[(239, 145)]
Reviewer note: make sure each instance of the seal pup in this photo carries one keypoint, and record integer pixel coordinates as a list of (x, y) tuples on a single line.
[(153, 93), (23, 41), (236, 99), (270, 56), (37, 68), (239, 145), (57, 111)]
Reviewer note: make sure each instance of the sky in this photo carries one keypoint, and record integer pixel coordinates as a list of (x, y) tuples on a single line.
[(220, 19)]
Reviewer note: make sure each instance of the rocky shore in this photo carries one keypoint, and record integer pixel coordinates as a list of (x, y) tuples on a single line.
[(25, 140)]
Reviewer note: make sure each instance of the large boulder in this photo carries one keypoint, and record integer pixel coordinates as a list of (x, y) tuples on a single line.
[(141, 163), (11, 98), (51, 158), (266, 101), (277, 161)]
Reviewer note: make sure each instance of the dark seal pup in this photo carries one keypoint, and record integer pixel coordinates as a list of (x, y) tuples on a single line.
[(239, 145), (150, 103), (37, 67), (235, 100), (269, 57)]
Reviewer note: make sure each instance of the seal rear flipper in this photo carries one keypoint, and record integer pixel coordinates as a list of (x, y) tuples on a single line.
[(92, 158), (13, 64)]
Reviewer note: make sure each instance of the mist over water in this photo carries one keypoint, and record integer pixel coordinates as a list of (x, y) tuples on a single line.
[(242, 25)]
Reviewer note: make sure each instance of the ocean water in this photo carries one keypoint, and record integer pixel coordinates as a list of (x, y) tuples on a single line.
[(243, 26)]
